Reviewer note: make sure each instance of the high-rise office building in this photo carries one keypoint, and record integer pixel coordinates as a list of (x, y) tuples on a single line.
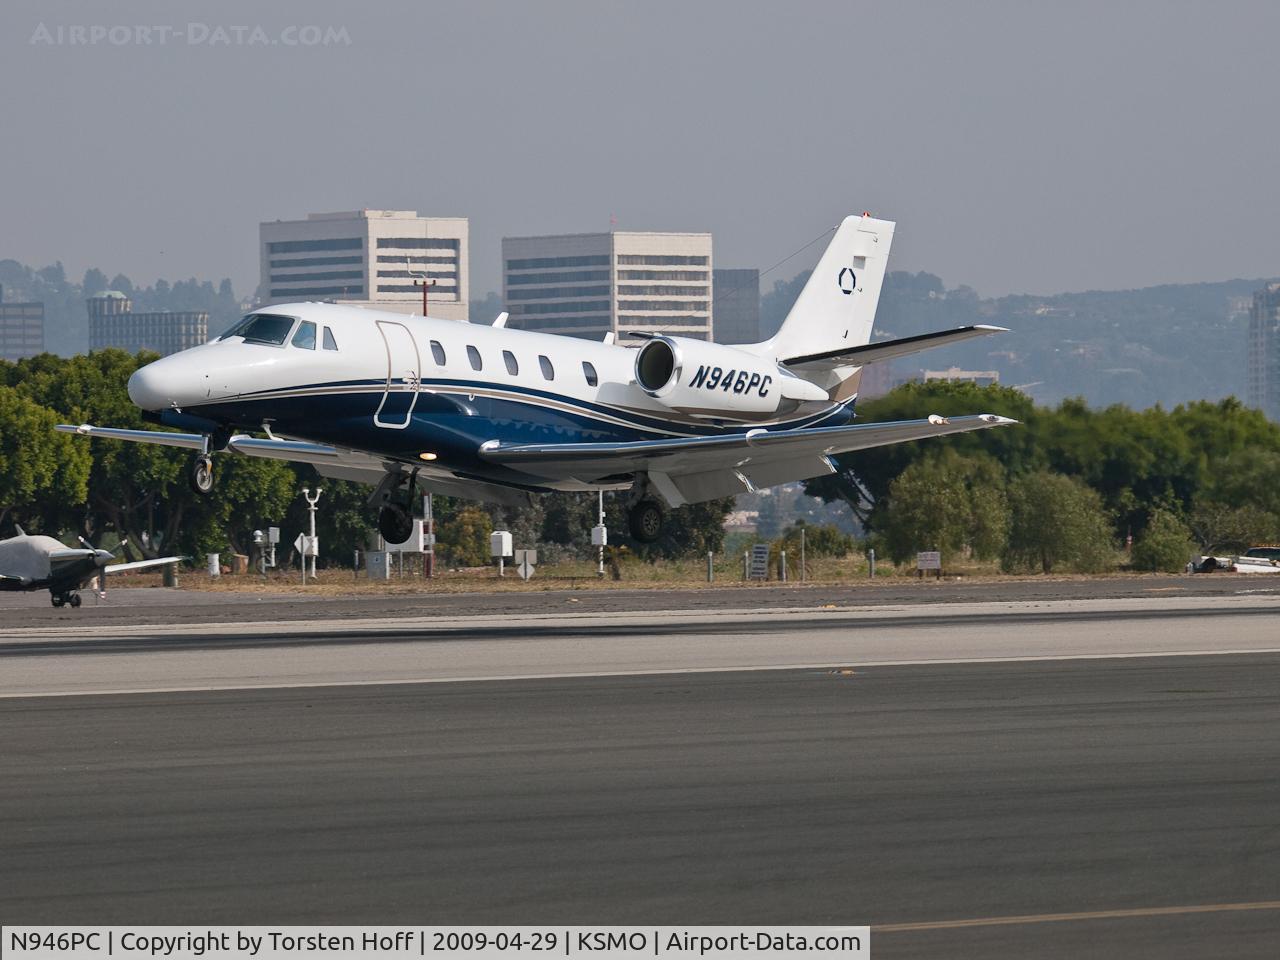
[(367, 258), (736, 299), (588, 284), (21, 329), (112, 323), (1263, 380)]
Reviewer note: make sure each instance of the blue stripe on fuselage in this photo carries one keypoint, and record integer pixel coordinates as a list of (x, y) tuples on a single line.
[(452, 423)]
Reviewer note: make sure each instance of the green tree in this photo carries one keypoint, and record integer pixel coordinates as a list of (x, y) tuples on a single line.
[(464, 537), (1220, 528), (37, 463), (1056, 522), (1165, 545), (946, 502)]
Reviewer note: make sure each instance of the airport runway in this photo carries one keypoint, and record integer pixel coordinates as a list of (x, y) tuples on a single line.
[(1138, 795)]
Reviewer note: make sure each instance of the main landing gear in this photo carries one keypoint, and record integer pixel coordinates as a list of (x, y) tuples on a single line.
[(65, 599), (395, 515), (395, 523), (645, 519)]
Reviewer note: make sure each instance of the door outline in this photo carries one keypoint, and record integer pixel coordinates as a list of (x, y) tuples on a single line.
[(413, 379)]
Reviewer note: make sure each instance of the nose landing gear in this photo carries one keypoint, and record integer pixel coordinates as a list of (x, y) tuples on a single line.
[(200, 474), (65, 599)]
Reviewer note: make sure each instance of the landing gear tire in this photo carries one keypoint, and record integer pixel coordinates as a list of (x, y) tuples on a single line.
[(74, 600), (57, 601), (395, 524), (200, 475), (65, 599), (645, 520)]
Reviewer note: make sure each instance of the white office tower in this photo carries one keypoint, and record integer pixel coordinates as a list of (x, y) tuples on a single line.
[(587, 284), (367, 258)]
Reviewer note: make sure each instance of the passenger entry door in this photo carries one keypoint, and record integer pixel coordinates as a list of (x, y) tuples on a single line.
[(404, 368)]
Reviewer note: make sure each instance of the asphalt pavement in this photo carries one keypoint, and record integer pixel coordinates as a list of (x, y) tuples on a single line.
[(889, 795)]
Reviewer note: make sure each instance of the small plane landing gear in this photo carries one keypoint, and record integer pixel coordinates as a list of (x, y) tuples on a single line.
[(395, 523), (200, 474), (65, 599), (645, 520)]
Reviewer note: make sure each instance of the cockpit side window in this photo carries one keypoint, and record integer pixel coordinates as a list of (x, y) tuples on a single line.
[(474, 356), (305, 338), (437, 352), (268, 328), (509, 359), (329, 342)]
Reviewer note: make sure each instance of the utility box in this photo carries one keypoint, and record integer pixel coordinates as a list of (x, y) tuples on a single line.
[(600, 536), (500, 544), (377, 564), (416, 542)]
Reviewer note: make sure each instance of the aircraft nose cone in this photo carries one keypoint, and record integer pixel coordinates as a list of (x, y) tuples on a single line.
[(148, 388)]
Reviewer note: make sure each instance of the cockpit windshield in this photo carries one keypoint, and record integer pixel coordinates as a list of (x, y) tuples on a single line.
[(265, 328)]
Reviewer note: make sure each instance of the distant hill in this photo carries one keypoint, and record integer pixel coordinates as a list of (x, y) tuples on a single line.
[(1165, 344)]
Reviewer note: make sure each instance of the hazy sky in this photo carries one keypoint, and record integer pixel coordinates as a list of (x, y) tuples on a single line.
[(1021, 147)]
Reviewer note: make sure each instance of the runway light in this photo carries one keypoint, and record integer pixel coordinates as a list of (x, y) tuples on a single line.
[(426, 456)]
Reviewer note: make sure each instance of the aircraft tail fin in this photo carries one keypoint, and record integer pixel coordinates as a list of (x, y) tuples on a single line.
[(837, 307)]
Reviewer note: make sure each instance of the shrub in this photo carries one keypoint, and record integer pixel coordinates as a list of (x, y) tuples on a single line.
[(1165, 545)]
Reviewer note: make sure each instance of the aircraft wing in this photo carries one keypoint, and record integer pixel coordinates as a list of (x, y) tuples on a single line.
[(703, 468), (141, 564), (191, 441), (889, 349)]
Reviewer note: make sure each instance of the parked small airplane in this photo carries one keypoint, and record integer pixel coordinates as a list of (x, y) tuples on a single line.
[(38, 563), (489, 413)]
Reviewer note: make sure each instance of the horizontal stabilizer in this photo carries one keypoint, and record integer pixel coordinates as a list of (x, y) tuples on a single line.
[(888, 349)]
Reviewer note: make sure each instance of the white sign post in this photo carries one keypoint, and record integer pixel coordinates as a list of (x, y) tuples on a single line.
[(526, 560)]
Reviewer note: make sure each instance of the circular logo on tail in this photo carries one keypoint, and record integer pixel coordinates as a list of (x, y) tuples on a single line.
[(848, 280)]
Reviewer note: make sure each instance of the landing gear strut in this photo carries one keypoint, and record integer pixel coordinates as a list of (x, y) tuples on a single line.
[(645, 519), (66, 599), (200, 474)]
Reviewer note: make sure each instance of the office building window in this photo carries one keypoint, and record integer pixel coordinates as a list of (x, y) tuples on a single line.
[(301, 246), (551, 293), (310, 277), (538, 263), (417, 243), (646, 260)]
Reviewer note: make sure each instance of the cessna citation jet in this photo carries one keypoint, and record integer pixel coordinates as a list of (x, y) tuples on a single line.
[(487, 413), (38, 563)]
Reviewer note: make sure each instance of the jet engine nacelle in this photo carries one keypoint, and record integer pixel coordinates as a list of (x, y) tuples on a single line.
[(694, 376)]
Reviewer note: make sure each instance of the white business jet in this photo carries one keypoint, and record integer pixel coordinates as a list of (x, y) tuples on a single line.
[(490, 413)]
